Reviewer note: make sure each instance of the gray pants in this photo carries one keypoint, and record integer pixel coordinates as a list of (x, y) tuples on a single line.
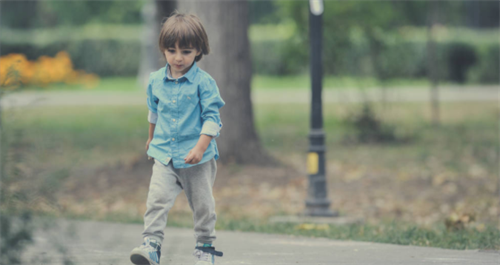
[(166, 183)]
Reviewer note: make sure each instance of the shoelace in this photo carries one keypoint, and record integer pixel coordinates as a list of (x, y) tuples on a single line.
[(147, 247), (202, 255), (153, 252)]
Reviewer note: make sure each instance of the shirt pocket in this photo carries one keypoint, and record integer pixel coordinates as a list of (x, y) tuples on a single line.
[(190, 96)]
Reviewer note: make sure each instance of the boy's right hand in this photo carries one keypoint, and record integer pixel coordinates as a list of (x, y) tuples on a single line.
[(147, 144)]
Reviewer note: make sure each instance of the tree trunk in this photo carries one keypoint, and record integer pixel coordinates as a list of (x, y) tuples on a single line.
[(432, 65), (153, 13), (376, 47), (226, 23)]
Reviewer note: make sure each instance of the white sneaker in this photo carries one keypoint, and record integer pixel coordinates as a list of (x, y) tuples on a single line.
[(146, 254), (205, 254)]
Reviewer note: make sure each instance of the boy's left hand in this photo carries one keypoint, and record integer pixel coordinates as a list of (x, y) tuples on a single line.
[(194, 156)]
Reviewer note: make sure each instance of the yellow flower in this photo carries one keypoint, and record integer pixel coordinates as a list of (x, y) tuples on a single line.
[(16, 70)]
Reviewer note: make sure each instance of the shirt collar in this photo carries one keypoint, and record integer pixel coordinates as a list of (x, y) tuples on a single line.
[(189, 75)]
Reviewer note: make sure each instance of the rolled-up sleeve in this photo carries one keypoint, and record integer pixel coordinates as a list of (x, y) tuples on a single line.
[(211, 102), (152, 117), (152, 102)]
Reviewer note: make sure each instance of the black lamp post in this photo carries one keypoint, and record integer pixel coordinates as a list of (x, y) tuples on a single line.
[(317, 203)]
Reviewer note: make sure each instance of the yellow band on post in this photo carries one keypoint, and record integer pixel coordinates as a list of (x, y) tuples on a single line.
[(312, 163)]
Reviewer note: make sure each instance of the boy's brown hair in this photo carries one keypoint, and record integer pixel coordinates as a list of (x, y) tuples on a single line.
[(185, 29)]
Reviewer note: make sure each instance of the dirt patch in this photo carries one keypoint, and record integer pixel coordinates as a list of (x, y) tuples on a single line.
[(240, 191), (355, 190), (137, 173)]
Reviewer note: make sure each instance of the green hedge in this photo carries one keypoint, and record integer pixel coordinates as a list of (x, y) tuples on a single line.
[(400, 59), (397, 57), (101, 57), (487, 68)]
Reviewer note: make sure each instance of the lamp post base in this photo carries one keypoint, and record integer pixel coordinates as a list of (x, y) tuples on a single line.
[(300, 219), (319, 208), (321, 213)]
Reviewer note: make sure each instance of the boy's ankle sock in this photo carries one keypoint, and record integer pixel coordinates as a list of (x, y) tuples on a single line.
[(155, 239), (200, 244)]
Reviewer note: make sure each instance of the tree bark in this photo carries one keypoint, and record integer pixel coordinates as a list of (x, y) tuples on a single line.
[(153, 14), (376, 48), (226, 23), (432, 64)]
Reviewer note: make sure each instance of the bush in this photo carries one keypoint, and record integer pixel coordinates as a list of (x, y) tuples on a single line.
[(487, 70), (461, 57), (101, 57), (402, 59), (273, 57), (287, 54), (267, 58), (38, 14), (107, 58), (398, 58), (288, 57), (367, 128), (16, 70)]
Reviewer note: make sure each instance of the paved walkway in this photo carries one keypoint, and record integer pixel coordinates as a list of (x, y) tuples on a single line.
[(95, 243), (275, 96)]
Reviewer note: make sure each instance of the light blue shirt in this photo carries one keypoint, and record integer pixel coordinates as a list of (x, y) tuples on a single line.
[(183, 109)]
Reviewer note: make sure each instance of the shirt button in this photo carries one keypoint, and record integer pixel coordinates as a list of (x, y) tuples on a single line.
[(176, 82), (173, 119), (173, 139), (173, 100)]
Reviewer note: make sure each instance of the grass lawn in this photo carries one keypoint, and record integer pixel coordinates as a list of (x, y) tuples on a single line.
[(332, 82), (122, 84), (88, 162), (259, 82)]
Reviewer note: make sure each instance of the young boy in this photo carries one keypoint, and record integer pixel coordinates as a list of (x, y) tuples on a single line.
[(184, 121)]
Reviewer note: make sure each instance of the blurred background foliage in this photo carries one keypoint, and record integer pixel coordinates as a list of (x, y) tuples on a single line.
[(16, 70), (386, 155), (46, 14), (382, 39)]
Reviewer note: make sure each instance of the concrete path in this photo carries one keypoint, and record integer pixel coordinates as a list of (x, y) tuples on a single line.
[(85, 242), (274, 96)]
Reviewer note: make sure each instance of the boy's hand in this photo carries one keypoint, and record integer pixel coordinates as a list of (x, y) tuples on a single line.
[(147, 144), (194, 156)]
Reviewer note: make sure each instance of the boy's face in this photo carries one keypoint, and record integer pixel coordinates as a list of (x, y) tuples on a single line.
[(180, 59)]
